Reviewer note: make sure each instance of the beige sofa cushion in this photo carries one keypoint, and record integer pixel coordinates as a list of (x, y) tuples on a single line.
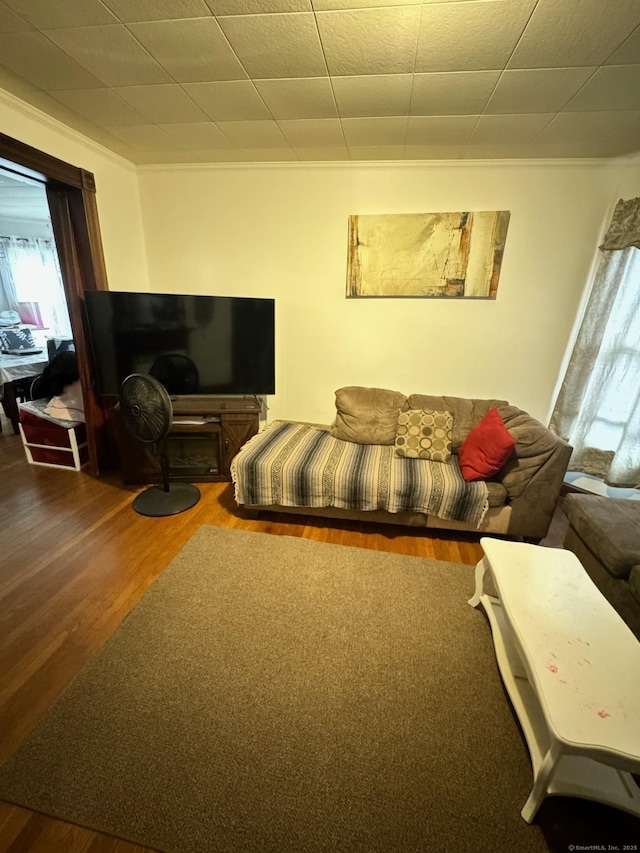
[(367, 415)]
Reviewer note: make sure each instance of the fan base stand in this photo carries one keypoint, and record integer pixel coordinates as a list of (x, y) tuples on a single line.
[(157, 503)]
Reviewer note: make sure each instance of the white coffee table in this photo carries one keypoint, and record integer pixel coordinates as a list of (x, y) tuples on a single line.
[(572, 669)]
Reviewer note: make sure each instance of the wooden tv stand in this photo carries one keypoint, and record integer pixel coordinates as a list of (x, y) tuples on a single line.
[(206, 434)]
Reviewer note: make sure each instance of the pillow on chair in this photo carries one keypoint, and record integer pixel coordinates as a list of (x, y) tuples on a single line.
[(16, 339)]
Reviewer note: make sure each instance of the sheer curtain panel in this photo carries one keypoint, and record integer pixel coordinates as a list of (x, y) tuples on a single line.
[(31, 273), (598, 407)]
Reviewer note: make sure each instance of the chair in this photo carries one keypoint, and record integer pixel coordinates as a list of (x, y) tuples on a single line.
[(57, 345), (39, 387), (11, 394)]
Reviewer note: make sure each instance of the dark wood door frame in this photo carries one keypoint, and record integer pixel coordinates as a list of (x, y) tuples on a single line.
[(71, 193)]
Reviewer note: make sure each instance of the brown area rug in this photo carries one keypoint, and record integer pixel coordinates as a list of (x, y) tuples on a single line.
[(270, 693)]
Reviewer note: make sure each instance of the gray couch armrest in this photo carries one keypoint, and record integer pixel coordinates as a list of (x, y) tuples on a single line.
[(534, 475)]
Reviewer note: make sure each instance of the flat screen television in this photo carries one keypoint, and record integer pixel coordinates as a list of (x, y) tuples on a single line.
[(192, 344)]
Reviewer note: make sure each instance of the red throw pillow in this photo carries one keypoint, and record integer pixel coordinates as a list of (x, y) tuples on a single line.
[(486, 449)]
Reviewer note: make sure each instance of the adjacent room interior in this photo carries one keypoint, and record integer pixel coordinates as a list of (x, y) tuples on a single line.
[(375, 266)]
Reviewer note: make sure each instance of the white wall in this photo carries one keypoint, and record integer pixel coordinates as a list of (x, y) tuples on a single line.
[(281, 231), (628, 174), (116, 181)]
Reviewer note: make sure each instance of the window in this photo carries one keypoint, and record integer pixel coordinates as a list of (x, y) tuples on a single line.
[(598, 407), (30, 272)]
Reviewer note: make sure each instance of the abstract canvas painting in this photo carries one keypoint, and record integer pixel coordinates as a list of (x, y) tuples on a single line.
[(448, 255)]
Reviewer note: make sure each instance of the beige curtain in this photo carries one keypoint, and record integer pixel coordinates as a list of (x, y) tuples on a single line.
[(598, 407), (624, 230)]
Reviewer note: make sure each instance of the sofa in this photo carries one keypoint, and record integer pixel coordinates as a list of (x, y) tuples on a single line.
[(604, 533), (361, 467)]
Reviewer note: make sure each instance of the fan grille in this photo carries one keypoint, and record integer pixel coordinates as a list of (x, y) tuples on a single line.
[(145, 408)]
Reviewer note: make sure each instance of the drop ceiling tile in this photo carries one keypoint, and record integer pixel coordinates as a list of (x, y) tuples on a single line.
[(629, 51), (163, 103), (154, 156), (12, 23), (376, 132), (574, 32), (111, 53), (376, 152), (590, 149), (220, 155), (337, 5), (49, 14), (509, 129), (19, 86), (275, 155), (253, 134), (370, 41), (454, 93), (612, 87), (42, 63), (100, 106), (471, 36), (230, 100), (373, 95), (145, 136), (204, 134), (310, 97), (533, 150), (440, 130), (283, 45), (257, 7), (56, 109), (500, 152), (135, 11), (191, 51), (311, 154), (593, 127), (52, 107), (537, 90), (312, 133), (432, 152), (99, 134)]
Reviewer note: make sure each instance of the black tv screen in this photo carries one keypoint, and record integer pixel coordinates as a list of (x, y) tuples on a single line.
[(192, 344)]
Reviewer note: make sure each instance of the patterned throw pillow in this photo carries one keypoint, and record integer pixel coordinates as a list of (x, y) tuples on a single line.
[(16, 339), (424, 434)]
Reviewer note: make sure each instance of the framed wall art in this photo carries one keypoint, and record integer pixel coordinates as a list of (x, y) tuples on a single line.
[(440, 255)]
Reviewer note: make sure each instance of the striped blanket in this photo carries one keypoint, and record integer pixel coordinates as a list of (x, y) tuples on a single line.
[(293, 464)]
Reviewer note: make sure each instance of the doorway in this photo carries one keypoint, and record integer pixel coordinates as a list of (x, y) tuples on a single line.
[(30, 279), (70, 193)]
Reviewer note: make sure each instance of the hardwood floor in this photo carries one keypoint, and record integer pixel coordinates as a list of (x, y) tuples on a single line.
[(75, 558)]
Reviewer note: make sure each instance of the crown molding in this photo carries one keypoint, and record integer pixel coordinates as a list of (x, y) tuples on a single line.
[(383, 165), (45, 120)]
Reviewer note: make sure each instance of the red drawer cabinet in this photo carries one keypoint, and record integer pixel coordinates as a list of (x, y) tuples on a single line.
[(52, 443)]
